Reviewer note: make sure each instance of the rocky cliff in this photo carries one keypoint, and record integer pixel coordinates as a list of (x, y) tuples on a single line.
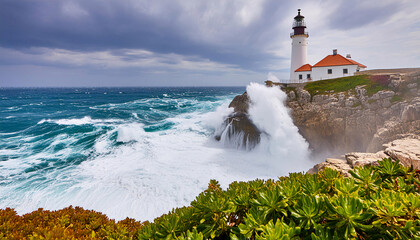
[(353, 114), (406, 150), (362, 118)]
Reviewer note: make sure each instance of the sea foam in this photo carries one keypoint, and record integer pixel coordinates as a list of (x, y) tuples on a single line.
[(280, 136), (130, 172)]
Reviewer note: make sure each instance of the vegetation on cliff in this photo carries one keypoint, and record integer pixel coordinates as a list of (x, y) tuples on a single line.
[(380, 202), (373, 83)]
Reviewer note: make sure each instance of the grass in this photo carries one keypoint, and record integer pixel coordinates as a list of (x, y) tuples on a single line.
[(370, 101), (288, 89), (396, 98), (345, 84)]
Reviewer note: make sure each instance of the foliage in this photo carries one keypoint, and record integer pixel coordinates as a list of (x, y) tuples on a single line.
[(373, 84), (68, 223), (348, 214), (396, 98), (377, 202)]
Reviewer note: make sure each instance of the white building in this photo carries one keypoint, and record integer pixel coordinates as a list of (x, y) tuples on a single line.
[(299, 44), (332, 66)]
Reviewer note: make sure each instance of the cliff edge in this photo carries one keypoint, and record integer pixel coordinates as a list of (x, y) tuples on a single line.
[(357, 113), (351, 114)]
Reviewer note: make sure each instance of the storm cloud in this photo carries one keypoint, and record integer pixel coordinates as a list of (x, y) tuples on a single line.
[(356, 14), (196, 39), (223, 32)]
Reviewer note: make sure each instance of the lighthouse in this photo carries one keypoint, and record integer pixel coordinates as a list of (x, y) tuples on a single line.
[(299, 38)]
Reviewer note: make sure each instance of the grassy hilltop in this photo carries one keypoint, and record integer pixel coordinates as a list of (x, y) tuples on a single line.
[(381, 202), (373, 84)]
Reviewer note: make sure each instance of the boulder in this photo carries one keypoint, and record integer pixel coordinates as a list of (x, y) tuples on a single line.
[(340, 165), (406, 150), (386, 94), (291, 95), (411, 112), (360, 91), (240, 103), (239, 131), (358, 159), (412, 85), (304, 96)]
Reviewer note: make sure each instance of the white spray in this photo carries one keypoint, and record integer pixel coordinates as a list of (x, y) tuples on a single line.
[(280, 136), (139, 174), (272, 77)]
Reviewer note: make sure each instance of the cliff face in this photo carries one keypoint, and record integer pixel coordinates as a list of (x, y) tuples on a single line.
[(359, 119), (338, 116)]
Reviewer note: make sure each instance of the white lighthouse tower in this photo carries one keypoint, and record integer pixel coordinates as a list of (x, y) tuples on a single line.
[(299, 38)]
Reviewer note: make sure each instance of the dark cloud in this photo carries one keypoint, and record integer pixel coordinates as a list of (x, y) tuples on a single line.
[(351, 14), (103, 25), (143, 41), (108, 24)]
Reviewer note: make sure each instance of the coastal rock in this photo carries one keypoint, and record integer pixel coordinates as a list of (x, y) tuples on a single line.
[(340, 165), (358, 159), (239, 131), (240, 103), (405, 150), (412, 85), (395, 81), (360, 91), (411, 112), (318, 98), (291, 95), (303, 96), (386, 94)]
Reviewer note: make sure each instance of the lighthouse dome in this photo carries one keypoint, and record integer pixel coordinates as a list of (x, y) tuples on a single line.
[(299, 21), (299, 16)]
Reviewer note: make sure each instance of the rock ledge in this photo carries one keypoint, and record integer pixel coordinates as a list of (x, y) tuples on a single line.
[(406, 150)]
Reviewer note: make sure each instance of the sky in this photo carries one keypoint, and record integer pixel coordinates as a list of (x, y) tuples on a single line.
[(76, 43)]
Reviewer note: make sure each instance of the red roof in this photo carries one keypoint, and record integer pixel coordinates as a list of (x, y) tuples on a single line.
[(354, 62), (306, 67), (336, 60)]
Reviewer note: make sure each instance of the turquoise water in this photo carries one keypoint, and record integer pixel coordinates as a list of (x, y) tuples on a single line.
[(62, 125), (131, 152)]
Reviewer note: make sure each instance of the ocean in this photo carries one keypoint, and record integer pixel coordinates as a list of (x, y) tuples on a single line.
[(134, 152)]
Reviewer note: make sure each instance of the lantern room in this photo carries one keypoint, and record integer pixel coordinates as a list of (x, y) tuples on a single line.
[(299, 25)]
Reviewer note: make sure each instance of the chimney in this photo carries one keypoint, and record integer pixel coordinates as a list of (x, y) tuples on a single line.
[(348, 55), (334, 51)]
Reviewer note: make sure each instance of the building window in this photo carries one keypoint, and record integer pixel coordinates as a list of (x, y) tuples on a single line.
[(300, 76), (308, 76), (345, 71), (329, 71)]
